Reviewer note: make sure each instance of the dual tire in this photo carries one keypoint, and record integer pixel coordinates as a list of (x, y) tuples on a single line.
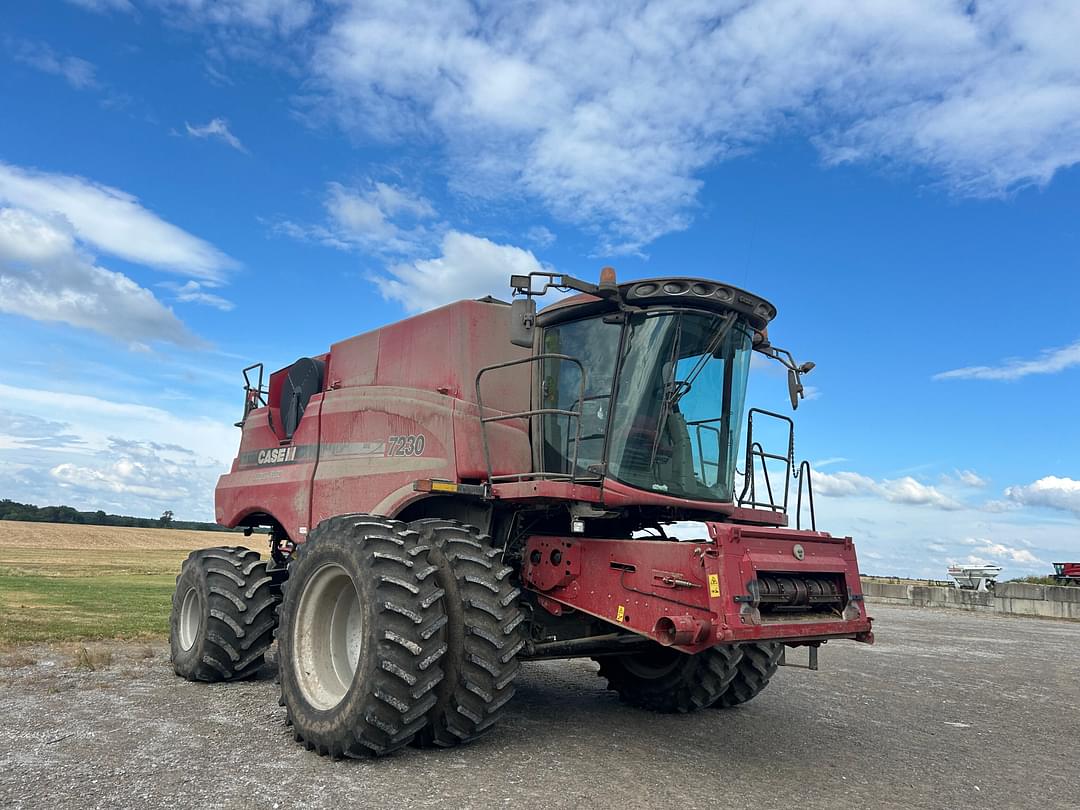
[(665, 680), (390, 633), (223, 615), (395, 633)]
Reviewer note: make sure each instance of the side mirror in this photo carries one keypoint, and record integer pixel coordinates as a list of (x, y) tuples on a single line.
[(794, 388), (522, 322)]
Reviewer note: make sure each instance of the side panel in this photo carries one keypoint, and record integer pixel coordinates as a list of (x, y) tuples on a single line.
[(272, 476), (508, 442), (376, 441)]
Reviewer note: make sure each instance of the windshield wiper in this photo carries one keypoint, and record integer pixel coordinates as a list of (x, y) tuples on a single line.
[(675, 390)]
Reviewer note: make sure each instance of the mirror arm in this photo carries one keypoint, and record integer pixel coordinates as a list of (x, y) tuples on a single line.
[(522, 285), (795, 370)]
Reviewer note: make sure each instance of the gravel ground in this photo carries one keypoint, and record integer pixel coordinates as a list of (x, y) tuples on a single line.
[(946, 710)]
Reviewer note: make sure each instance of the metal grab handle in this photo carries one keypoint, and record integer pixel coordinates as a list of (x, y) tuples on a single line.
[(575, 414), (804, 474)]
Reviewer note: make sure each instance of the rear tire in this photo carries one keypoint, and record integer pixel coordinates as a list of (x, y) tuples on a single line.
[(758, 665), (483, 633), (223, 615), (663, 679), (360, 638)]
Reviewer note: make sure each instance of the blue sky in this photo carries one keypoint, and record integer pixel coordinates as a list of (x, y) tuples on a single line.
[(187, 187)]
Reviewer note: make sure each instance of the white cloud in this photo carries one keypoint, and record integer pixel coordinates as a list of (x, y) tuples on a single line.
[(112, 221), (44, 276), (366, 218), (469, 267), (540, 236), (192, 292), (967, 478), (1052, 492), (905, 490), (381, 218), (217, 128), (1000, 551), (79, 73), (24, 430), (138, 470), (608, 112), (102, 6), (279, 15), (1051, 361), (68, 451)]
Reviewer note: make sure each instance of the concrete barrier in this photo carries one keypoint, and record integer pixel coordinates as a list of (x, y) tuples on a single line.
[(1008, 598)]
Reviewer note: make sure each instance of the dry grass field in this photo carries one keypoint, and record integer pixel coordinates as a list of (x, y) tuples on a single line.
[(66, 582)]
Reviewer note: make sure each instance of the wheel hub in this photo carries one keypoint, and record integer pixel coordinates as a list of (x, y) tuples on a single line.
[(327, 636), (190, 619)]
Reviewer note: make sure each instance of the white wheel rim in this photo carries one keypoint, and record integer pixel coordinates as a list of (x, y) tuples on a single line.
[(190, 619), (327, 636)]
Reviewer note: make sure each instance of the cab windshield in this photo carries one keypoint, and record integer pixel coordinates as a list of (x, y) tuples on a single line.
[(676, 419)]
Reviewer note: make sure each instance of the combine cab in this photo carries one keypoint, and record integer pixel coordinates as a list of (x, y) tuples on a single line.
[(1067, 573), (484, 484)]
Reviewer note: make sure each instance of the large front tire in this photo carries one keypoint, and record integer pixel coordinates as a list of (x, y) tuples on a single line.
[(360, 638), (483, 632), (224, 612), (663, 679), (759, 663)]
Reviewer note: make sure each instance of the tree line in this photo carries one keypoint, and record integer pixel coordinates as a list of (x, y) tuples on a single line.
[(13, 510)]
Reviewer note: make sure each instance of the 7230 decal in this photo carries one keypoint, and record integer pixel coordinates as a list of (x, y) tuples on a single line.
[(411, 445)]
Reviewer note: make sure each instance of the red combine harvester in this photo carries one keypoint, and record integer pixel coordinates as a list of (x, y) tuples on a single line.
[(480, 485), (1067, 573)]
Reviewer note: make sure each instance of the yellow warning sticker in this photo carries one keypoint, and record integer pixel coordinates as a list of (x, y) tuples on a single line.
[(714, 585), (621, 612)]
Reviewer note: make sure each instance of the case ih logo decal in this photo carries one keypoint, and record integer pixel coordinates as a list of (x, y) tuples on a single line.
[(273, 456), (279, 455)]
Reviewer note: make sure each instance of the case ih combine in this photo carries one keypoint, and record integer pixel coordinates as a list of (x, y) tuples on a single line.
[(482, 485)]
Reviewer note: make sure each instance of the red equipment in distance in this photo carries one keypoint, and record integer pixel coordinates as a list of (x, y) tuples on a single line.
[(1067, 573)]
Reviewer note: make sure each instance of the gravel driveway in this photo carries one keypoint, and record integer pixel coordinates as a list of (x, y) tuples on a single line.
[(946, 710)]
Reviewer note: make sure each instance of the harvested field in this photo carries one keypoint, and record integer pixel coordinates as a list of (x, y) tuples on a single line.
[(63, 582)]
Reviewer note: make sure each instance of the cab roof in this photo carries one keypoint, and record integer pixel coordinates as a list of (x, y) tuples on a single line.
[(698, 293)]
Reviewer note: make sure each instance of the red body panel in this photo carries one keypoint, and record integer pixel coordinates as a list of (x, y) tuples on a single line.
[(412, 379), (693, 595)]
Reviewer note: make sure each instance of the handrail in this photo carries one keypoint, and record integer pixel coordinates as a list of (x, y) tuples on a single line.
[(755, 450), (703, 424), (576, 415), (254, 395), (804, 473)]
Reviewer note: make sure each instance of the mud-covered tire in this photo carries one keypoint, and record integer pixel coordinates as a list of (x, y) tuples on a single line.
[(224, 611), (361, 637), (483, 633), (759, 663), (663, 679)]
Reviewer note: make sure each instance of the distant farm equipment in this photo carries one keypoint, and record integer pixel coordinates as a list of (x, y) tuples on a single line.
[(977, 577), (1067, 573)]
